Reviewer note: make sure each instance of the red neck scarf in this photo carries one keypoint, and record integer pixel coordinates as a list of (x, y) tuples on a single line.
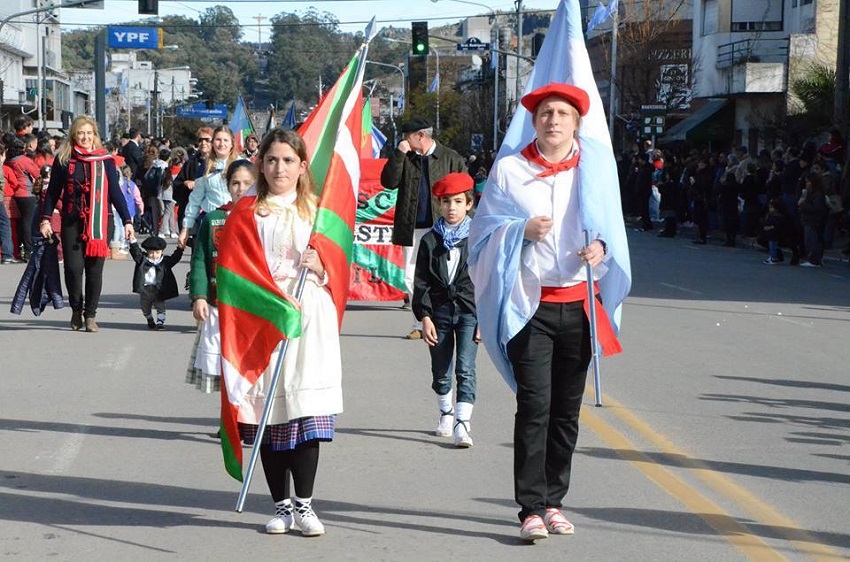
[(532, 154), (94, 198)]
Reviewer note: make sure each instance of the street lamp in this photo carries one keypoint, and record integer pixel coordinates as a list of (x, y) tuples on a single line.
[(491, 17), (403, 79)]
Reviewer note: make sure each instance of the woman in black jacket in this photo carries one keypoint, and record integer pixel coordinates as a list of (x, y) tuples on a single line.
[(84, 178)]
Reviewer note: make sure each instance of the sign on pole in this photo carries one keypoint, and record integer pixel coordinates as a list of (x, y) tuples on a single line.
[(473, 44), (121, 37), (653, 118), (199, 111)]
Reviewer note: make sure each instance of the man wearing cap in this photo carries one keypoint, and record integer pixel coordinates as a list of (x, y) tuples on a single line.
[(416, 164), (528, 261)]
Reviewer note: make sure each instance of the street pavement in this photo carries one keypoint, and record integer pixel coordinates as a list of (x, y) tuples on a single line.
[(724, 433)]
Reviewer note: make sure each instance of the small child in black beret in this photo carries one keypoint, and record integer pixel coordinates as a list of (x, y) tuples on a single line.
[(153, 279)]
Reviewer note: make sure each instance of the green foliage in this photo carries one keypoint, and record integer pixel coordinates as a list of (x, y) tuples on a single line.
[(816, 91), (305, 49), (300, 51)]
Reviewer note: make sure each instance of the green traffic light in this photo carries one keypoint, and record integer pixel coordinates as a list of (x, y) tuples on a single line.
[(420, 47)]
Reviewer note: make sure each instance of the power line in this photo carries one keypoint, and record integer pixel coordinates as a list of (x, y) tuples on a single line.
[(194, 24)]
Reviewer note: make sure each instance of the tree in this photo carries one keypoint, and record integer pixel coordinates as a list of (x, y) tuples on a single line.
[(306, 50), (219, 25), (816, 92)]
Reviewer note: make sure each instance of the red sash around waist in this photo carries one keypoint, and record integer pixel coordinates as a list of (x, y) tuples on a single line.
[(575, 293)]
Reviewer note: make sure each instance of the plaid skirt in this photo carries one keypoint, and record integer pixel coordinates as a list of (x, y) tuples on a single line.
[(286, 436)]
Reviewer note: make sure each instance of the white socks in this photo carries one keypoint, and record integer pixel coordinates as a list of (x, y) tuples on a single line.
[(463, 412), (444, 403)]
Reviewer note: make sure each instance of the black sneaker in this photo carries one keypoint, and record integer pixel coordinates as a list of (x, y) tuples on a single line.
[(151, 324)]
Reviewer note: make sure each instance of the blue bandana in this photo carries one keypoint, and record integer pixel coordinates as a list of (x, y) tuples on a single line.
[(452, 235)]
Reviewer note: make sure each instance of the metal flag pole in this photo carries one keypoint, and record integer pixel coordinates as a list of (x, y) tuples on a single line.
[(267, 408), (594, 341)]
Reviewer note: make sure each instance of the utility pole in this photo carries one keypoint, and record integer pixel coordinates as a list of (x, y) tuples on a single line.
[(612, 95), (842, 71), (518, 50), (260, 19)]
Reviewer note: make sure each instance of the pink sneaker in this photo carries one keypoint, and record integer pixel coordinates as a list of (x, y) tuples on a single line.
[(556, 523), (533, 528)]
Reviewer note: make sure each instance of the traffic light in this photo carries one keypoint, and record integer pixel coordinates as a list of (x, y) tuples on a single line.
[(149, 7), (419, 31)]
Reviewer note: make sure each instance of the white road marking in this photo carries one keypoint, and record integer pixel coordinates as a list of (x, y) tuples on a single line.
[(680, 288), (69, 451)]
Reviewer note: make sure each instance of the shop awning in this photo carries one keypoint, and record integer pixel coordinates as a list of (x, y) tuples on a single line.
[(690, 128)]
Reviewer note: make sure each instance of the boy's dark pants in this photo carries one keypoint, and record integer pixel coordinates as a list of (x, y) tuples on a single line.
[(550, 356), (454, 328)]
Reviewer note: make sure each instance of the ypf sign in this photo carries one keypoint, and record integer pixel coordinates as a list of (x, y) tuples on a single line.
[(134, 37)]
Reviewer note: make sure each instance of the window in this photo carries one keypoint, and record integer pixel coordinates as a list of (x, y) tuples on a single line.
[(709, 17), (752, 15)]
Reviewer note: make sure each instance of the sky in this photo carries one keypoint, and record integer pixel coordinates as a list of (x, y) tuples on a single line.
[(353, 15)]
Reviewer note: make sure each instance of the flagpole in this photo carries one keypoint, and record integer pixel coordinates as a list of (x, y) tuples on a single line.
[(594, 340), (267, 408)]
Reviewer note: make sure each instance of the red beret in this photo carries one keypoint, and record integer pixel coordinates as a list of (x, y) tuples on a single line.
[(574, 95), (452, 184)]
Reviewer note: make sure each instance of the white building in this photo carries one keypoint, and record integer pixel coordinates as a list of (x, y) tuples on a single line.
[(748, 52), (33, 82)]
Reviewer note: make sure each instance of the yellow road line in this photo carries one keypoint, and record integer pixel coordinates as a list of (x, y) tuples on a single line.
[(762, 512), (721, 521)]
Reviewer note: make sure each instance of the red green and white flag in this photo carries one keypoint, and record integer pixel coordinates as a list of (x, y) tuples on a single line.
[(255, 317), (333, 134)]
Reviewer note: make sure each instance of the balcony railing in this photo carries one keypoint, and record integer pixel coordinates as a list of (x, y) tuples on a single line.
[(752, 50)]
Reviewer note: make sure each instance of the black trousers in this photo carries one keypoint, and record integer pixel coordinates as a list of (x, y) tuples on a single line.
[(76, 264), (26, 209), (550, 357)]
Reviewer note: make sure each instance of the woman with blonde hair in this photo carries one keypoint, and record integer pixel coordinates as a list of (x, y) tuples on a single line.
[(210, 191), (85, 180)]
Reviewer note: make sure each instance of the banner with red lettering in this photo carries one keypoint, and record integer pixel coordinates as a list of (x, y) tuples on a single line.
[(377, 265)]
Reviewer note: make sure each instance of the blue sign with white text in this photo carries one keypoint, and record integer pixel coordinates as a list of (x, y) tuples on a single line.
[(133, 37), (199, 111)]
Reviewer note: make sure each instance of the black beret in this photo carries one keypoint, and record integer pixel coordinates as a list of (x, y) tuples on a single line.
[(154, 243), (415, 124)]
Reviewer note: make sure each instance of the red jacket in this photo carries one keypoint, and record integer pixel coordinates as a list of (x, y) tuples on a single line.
[(11, 181), (26, 172)]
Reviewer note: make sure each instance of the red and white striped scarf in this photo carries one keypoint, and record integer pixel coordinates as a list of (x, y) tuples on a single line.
[(94, 199)]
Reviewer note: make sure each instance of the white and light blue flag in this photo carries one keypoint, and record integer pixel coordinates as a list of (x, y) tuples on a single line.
[(496, 237), (379, 139)]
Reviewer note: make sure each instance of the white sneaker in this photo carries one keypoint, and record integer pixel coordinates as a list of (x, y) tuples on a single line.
[(461, 432), (307, 520), (281, 522), (444, 427)]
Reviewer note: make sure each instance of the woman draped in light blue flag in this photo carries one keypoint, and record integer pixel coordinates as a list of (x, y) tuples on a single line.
[(528, 239), (555, 179)]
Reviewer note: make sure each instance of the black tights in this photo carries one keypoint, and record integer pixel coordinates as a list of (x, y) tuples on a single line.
[(302, 462)]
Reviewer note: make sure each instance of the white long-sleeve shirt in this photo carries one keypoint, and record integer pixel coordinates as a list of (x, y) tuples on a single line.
[(555, 259)]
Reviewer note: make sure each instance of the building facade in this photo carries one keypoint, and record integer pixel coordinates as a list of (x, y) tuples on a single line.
[(33, 82), (750, 52)]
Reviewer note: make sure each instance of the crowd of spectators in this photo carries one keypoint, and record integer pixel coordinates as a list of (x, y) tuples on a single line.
[(795, 198)]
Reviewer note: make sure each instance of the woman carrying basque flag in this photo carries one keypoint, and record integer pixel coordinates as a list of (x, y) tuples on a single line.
[(85, 180)]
